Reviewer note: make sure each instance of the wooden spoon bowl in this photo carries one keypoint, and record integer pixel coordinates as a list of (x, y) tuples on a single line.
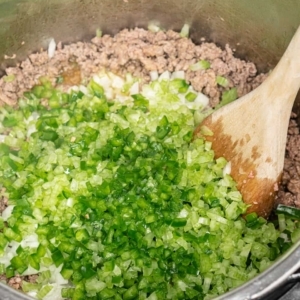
[(251, 132)]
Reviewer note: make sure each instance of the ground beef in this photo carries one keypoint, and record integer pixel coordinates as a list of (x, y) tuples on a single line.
[(289, 190), (139, 52), (3, 200), (16, 281)]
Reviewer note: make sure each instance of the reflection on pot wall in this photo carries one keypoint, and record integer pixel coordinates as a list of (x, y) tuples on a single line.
[(262, 28)]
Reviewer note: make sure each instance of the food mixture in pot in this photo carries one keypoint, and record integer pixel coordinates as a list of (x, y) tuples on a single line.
[(154, 65)]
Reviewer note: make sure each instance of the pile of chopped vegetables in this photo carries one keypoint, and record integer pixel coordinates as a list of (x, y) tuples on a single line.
[(111, 198)]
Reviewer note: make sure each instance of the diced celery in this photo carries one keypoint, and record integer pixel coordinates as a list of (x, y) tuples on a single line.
[(46, 289), (99, 32), (200, 65), (111, 193), (222, 81), (185, 30), (9, 78)]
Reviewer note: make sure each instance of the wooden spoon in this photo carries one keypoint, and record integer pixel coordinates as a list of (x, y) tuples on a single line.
[(251, 132)]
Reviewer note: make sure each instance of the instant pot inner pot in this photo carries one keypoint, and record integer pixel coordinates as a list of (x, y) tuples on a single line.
[(258, 30)]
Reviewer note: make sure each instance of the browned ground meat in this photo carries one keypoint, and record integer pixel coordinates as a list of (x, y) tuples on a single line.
[(138, 52), (289, 190), (16, 281), (3, 200)]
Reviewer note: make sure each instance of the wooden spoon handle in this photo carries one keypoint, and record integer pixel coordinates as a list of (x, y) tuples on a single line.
[(285, 78)]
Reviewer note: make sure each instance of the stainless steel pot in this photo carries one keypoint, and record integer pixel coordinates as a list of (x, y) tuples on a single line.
[(259, 30)]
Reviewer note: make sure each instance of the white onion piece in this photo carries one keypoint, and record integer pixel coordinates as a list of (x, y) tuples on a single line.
[(165, 76), (31, 130), (199, 103), (31, 271), (7, 212), (121, 99), (182, 285), (102, 80), (183, 213), (202, 99), (55, 293), (5, 259), (70, 202), (51, 48), (32, 293), (74, 88), (56, 277), (83, 89), (153, 27), (129, 78), (227, 169), (149, 93), (182, 99), (117, 82), (178, 75), (153, 75), (2, 138), (30, 241), (134, 118), (134, 89), (33, 117), (109, 93), (9, 253)]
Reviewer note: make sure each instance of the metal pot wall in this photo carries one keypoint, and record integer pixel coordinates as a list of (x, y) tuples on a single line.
[(259, 30)]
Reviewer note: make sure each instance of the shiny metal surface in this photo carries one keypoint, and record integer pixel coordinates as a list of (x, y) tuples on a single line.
[(259, 30), (268, 281)]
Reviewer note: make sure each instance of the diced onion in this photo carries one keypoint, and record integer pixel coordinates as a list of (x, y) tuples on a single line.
[(183, 213), (227, 169), (103, 80), (153, 75), (178, 74), (134, 89), (74, 88), (51, 48), (165, 76), (153, 27), (30, 241), (117, 82), (83, 89), (7, 212)]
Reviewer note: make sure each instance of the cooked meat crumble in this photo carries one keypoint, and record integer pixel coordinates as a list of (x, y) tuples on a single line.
[(138, 52)]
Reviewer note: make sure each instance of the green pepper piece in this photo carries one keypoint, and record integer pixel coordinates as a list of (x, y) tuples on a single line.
[(9, 121), (48, 135), (57, 257), (9, 272), (290, 211)]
